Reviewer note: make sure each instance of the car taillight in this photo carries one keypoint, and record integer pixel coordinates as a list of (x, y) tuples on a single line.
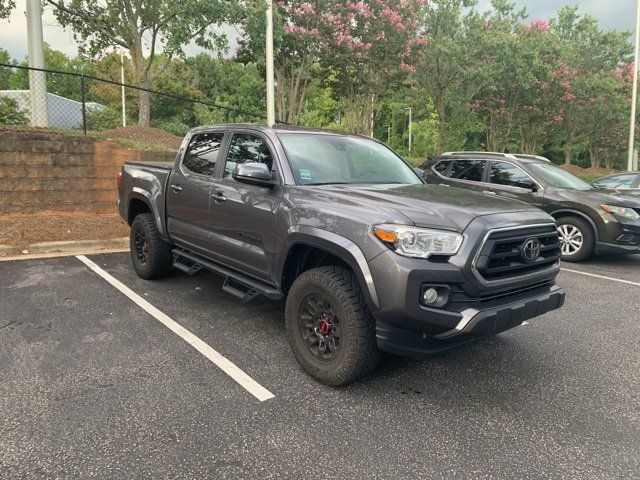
[(119, 179)]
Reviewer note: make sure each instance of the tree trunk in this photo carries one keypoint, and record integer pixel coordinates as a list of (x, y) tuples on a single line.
[(567, 155), (441, 132), (144, 108), (141, 80)]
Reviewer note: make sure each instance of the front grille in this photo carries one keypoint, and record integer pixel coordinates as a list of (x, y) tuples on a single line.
[(503, 254)]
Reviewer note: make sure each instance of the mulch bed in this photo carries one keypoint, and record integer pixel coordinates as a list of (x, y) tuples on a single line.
[(22, 230)]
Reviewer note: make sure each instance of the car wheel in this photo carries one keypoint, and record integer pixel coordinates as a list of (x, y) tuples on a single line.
[(577, 240), (329, 328), (150, 254)]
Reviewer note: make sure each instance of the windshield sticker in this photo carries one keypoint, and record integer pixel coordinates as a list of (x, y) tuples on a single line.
[(305, 174)]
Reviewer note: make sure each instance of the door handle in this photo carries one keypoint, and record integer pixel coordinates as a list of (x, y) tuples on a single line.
[(176, 188), (218, 197), (489, 192)]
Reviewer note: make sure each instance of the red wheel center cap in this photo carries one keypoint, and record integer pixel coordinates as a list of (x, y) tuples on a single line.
[(324, 327)]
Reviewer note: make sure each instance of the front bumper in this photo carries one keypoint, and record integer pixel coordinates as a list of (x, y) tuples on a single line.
[(620, 236), (475, 323), (474, 308)]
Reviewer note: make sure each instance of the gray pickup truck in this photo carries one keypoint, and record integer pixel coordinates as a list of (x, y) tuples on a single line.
[(368, 256)]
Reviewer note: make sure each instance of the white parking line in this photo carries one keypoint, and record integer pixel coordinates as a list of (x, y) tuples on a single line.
[(613, 279), (228, 367)]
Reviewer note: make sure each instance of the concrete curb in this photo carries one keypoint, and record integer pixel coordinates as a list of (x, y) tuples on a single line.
[(55, 249)]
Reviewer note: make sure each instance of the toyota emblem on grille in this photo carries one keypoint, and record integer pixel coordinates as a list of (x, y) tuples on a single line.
[(531, 250)]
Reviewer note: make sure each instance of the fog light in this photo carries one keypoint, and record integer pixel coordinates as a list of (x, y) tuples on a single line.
[(430, 296)]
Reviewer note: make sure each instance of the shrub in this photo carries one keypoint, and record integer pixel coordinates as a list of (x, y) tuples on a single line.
[(10, 112), (103, 118), (173, 126)]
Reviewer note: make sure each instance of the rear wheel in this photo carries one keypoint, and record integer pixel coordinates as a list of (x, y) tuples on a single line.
[(151, 256), (329, 327), (577, 240)]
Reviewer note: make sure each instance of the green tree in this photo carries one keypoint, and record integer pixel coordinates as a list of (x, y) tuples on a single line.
[(371, 50), (301, 32), (229, 83), (443, 65), (588, 58), (5, 72), (5, 7), (67, 86), (143, 28)]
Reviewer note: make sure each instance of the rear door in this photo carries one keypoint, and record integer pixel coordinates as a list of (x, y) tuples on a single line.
[(243, 217), (189, 192), (508, 180)]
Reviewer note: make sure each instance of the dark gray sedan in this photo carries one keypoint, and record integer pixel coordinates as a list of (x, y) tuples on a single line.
[(628, 181)]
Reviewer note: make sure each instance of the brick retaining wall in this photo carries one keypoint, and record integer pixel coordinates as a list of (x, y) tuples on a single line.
[(46, 171)]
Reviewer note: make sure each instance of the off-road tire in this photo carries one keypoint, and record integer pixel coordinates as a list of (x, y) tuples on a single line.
[(358, 353), (159, 259), (588, 239)]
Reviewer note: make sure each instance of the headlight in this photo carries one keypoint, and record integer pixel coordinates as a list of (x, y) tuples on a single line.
[(418, 242), (625, 212)]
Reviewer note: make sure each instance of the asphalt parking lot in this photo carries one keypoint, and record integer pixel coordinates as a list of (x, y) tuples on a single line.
[(93, 385)]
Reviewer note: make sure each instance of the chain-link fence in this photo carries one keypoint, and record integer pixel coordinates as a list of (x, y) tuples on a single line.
[(87, 105)]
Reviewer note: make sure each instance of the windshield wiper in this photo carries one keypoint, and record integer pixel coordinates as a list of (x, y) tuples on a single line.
[(326, 183)]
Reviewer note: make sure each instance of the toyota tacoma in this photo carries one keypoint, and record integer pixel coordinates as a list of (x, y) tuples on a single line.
[(368, 256)]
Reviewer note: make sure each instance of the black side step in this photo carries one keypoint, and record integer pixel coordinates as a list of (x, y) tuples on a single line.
[(235, 283)]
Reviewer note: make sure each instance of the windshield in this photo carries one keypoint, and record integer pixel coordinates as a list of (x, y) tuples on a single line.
[(557, 177), (318, 159)]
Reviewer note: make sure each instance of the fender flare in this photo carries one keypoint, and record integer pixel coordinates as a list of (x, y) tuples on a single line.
[(579, 214), (337, 245), (144, 196)]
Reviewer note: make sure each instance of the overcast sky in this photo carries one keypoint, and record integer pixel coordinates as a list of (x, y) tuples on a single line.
[(13, 35)]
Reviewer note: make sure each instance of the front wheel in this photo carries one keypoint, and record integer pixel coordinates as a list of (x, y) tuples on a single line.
[(577, 240), (329, 327)]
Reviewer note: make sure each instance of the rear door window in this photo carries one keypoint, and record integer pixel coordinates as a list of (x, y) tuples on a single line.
[(202, 153), (471, 170)]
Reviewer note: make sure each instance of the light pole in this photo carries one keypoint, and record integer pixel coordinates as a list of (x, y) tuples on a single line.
[(410, 130), (634, 91), (124, 105), (271, 98), (37, 79)]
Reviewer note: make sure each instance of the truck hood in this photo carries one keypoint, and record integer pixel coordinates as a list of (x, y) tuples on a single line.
[(427, 205)]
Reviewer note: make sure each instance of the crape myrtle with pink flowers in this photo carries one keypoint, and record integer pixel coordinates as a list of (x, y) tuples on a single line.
[(493, 79)]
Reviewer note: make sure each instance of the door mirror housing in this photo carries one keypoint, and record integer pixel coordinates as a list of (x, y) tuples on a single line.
[(253, 173), (528, 184)]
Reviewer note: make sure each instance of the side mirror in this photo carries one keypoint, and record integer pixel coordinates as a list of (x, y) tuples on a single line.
[(419, 172), (528, 184), (253, 173)]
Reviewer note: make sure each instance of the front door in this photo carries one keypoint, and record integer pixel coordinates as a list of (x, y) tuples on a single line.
[(189, 192), (243, 217)]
